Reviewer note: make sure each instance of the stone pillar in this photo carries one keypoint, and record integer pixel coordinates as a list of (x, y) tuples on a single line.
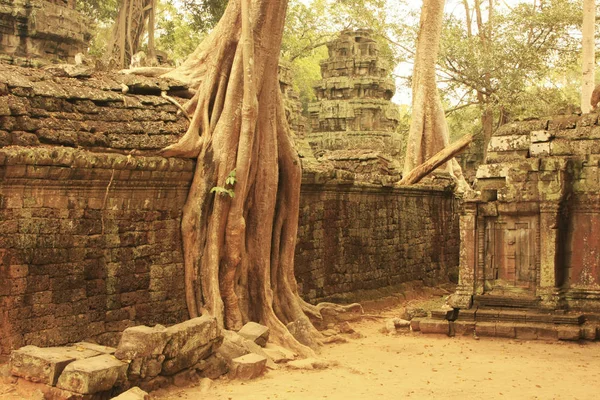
[(548, 254), (463, 297)]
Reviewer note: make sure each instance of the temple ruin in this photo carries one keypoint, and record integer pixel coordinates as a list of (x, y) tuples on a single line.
[(353, 122), (35, 31)]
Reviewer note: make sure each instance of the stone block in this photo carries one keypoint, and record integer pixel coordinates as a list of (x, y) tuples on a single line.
[(141, 341), (539, 149), (212, 367), (547, 332), (45, 365), (278, 354), (434, 326), (569, 333), (186, 378), (485, 329), (93, 375), (188, 343), (415, 324), (526, 332), (135, 393), (540, 136), (509, 143), (589, 332), (505, 330), (464, 328), (257, 333), (248, 367)]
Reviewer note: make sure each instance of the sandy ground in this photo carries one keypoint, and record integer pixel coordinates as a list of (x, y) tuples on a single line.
[(415, 366)]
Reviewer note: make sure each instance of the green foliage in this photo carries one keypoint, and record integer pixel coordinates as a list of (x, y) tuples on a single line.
[(226, 190), (176, 31), (202, 15)]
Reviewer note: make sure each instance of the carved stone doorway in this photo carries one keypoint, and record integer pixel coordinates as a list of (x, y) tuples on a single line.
[(510, 249)]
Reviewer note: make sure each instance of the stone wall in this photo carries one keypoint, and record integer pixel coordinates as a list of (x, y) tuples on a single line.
[(89, 233), (41, 29), (360, 241)]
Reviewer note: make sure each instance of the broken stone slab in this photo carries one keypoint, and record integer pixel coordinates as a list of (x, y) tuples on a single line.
[(93, 375), (141, 341), (186, 359), (234, 346), (393, 324), (45, 365), (278, 354), (258, 333), (213, 367), (194, 333), (190, 342), (248, 367), (135, 393), (186, 378)]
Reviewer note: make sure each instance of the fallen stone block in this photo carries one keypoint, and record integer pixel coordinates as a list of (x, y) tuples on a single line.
[(185, 359), (135, 393), (247, 367), (186, 378), (569, 333), (145, 367), (45, 365), (278, 354), (257, 333), (434, 326), (93, 375), (141, 341), (194, 333), (213, 367), (589, 332)]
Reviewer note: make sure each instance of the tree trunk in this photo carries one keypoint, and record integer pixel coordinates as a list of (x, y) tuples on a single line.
[(588, 54), (239, 248), (135, 16), (428, 129), (438, 159)]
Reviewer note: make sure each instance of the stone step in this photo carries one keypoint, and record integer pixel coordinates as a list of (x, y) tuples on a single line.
[(504, 315), (510, 330), (492, 301)]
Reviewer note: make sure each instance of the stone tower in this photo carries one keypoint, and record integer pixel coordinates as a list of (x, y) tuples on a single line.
[(50, 30), (354, 113)]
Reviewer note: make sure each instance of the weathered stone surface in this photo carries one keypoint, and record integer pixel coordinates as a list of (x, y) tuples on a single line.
[(186, 378), (188, 343), (569, 333), (142, 341), (212, 367), (249, 366), (278, 354), (257, 333), (93, 375), (135, 393), (434, 326), (45, 365)]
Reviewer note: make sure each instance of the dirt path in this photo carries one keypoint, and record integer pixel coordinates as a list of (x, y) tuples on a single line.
[(416, 366)]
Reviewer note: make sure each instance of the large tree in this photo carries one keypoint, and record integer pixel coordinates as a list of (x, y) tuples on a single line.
[(428, 132), (240, 219), (588, 54)]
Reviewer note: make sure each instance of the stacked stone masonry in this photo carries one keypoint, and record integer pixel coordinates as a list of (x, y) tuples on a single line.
[(353, 118), (90, 234), (41, 30), (532, 236)]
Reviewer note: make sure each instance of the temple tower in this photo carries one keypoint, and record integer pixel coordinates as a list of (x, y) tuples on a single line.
[(50, 30), (354, 112)]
